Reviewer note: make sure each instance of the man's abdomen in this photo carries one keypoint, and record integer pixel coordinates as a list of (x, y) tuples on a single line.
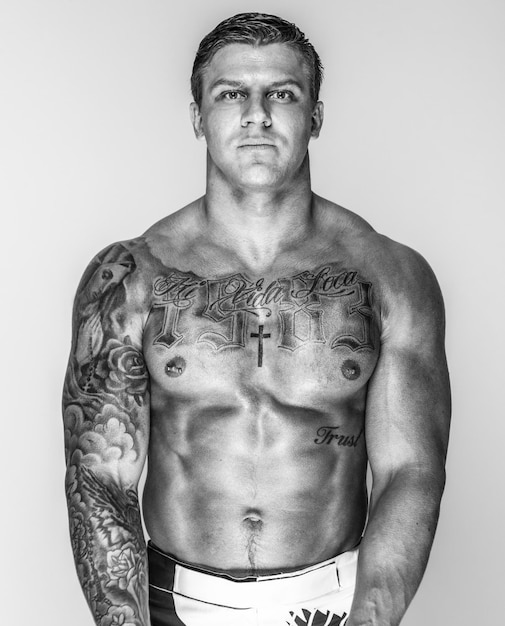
[(260, 490)]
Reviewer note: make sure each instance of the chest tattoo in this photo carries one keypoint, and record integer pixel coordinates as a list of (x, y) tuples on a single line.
[(327, 306), (260, 335)]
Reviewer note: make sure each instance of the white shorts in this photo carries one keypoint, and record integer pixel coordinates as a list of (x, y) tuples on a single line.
[(181, 594)]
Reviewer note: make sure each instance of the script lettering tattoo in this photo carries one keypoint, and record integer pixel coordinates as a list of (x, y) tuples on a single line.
[(325, 284), (104, 403), (228, 303), (301, 309), (331, 434)]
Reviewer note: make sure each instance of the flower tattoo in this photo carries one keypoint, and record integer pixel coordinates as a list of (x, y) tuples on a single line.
[(127, 371)]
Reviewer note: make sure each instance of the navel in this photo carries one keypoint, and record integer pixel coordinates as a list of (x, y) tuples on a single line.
[(175, 367), (350, 369), (252, 520), (253, 524)]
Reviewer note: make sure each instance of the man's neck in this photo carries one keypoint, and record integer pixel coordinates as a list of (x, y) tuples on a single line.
[(257, 225)]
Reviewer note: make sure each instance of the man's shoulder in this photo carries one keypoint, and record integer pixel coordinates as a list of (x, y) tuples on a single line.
[(138, 256), (398, 272), (406, 284), (335, 218), (116, 261), (352, 226), (407, 271), (114, 275)]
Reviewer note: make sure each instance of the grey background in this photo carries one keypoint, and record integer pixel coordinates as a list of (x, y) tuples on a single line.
[(95, 145)]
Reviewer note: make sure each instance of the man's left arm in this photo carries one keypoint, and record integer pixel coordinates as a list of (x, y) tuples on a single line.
[(407, 429)]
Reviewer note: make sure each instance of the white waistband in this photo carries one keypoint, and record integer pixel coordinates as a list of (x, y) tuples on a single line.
[(309, 583)]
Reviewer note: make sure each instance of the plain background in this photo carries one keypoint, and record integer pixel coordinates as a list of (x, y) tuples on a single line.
[(96, 145)]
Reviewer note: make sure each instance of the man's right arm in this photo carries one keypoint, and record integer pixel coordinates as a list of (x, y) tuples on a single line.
[(106, 419)]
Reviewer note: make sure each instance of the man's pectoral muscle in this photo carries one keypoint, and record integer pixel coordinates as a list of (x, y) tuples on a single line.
[(296, 304), (258, 395)]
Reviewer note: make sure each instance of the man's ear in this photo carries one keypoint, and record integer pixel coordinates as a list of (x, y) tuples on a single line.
[(317, 119), (196, 120)]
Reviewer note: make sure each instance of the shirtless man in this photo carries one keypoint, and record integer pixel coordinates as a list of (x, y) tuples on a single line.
[(259, 347)]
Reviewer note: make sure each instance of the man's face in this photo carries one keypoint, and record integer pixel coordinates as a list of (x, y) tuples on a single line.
[(257, 115)]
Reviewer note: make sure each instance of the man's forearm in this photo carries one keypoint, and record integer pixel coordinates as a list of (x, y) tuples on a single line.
[(109, 548), (395, 549)]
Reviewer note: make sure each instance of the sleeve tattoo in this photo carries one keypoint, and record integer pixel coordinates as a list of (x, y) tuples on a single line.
[(105, 404)]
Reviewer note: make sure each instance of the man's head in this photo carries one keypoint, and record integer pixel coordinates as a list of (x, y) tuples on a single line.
[(255, 84), (256, 29)]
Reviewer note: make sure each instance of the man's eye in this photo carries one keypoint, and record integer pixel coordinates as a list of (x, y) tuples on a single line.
[(232, 95), (281, 95)]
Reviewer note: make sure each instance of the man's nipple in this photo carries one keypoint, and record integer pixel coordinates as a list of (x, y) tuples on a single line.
[(175, 367), (350, 369)]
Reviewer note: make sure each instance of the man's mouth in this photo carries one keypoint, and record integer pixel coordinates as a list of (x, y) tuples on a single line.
[(259, 145)]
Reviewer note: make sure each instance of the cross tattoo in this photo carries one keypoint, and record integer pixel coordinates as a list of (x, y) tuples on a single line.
[(260, 337)]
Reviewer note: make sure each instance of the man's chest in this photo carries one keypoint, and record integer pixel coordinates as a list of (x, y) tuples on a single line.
[(314, 328)]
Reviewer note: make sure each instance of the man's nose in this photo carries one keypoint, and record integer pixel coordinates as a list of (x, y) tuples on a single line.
[(256, 111)]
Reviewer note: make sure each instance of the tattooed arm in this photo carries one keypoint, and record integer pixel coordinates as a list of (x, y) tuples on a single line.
[(407, 424), (105, 405)]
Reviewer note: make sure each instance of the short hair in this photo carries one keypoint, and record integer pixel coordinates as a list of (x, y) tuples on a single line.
[(256, 29)]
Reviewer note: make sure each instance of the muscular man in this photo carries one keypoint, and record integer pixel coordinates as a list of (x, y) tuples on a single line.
[(259, 346)]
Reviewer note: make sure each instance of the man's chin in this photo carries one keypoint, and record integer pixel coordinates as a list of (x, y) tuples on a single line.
[(260, 176)]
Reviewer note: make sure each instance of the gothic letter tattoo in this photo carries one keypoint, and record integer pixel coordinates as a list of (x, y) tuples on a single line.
[(328, 305)]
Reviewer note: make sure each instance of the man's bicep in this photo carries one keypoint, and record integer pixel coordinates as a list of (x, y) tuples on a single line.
[(106, 397), (408, 403)]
